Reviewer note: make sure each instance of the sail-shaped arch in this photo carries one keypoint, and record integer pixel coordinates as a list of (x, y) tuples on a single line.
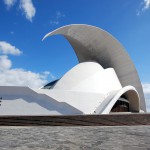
[(94, 44)]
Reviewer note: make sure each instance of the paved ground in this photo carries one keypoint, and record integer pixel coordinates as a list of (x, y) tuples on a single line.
[(76, 138)]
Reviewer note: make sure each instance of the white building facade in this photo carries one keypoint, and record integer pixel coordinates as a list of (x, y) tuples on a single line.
[(105, 81)]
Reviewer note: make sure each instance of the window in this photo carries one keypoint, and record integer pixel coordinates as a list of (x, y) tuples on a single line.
[(122, 105), (50, 85)]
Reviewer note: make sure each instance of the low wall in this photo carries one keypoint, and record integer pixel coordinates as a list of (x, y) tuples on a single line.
[(77, 120)]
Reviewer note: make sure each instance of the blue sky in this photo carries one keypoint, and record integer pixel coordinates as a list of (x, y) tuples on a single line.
[(26, 60)]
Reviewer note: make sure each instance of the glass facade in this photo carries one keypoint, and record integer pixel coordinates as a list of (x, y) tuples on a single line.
[(50, 85)]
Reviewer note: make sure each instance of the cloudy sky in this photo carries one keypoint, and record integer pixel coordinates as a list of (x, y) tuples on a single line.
[(27, 61)]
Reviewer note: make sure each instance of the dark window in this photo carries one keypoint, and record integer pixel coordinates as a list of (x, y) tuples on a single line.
[(122, 105), (50, 85)]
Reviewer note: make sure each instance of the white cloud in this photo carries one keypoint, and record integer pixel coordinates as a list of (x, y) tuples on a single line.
[(28, 9), (17, 76), (5, 63), (26, 6), (20, 77), (59, 15), (12, 32), (146, 89), (9, 3), (49, 73), (7, 48), (144, 5), (56, 20)]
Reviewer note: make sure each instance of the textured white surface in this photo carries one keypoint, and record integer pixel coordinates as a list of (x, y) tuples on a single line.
[(93, 86), (94, 44), (24, 101), (89, 77), (22, 107), (85, 89), (85, 86), (133, 98)]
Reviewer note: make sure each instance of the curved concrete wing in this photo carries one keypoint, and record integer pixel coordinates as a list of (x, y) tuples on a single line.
[(94, 44), (133, 98)]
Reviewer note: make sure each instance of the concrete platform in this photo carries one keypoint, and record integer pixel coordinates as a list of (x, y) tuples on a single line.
[(75, 138), (96, 132)]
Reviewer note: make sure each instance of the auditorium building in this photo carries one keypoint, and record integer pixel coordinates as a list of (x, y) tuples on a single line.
[(104, 81)]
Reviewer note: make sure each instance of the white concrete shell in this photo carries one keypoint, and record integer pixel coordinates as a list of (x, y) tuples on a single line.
[(104, 77), (85, 86), (94, 44), (85, 89), (132, 96)]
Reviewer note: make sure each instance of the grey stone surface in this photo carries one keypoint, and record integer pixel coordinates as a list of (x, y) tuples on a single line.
[(76, 138)]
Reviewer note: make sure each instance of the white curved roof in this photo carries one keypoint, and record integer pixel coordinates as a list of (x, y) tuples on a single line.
[(89, 77), (133, 98), (94, 44)]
